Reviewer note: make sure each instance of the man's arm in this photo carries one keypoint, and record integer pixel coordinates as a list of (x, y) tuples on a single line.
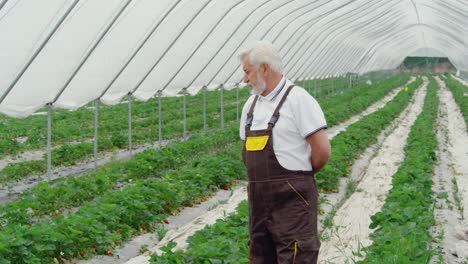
[(321, 149)]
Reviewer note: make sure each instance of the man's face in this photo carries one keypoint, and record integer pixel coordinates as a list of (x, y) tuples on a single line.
[(253, 77)]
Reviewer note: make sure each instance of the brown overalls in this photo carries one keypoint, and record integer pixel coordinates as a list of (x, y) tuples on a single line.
[(282, 203)]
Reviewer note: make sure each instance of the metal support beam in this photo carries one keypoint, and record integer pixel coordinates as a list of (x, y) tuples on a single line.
[(315, 87), (96, 112), (184, 135), (49, 141), (333, 86), (237, 102), (3, 4), (222, 106), (129, 96), (350, 82), (92, 49), (159, 118), (204, 109), (163, 55), (36, 53)]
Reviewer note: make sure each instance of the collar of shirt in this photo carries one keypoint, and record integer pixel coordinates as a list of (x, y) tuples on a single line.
[(272, 95)]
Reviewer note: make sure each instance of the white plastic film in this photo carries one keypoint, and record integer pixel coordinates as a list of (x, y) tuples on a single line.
[(168, 45)]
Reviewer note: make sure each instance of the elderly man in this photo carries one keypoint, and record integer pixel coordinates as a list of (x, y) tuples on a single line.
[(285, 143)]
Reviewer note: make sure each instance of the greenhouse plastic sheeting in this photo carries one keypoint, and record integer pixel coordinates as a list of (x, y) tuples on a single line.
[(70, 52)]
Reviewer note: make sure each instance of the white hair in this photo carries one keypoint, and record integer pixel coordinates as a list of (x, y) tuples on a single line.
[(263, 52)]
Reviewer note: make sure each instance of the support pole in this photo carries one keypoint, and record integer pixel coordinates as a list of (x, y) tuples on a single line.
[(129, 96), (204, 109), (184, 135), (159, 119), (315, 87), (350, 82), (222, 106), (49, 141), (96, 111), (333, 85), (237, 102)]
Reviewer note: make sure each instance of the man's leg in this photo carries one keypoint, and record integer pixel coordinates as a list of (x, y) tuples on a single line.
[(293, 223), (262, 249)]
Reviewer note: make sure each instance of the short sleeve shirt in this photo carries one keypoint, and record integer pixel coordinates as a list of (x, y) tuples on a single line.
[(300, 116)]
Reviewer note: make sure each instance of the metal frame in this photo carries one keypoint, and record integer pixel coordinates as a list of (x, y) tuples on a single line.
[(184, 134), (170, 46), (49, 141), (91, 50), (264, 35), (202, 42), (222, 105), (129, 97), (307, 35), (204, 109), (38, 51), (241, 42), (96, 113), (333, 36), (160, 118), (142, 44), (346, 55), (3, 4), (374, 28)]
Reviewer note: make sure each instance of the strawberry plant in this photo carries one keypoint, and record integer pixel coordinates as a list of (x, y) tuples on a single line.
[(348, 145), (402, 229), (72, 192), (459, 92), (223, 242)]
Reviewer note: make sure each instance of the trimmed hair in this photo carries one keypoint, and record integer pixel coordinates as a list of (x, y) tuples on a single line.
[(263, 52)]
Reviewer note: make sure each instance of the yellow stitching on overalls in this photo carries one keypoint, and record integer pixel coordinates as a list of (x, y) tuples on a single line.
[(294, 189), (295, 252)]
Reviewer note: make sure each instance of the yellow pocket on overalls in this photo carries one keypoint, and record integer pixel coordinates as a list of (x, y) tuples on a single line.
[(256, 143)]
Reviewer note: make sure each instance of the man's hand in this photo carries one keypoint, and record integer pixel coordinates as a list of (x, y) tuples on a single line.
[(321, 149)]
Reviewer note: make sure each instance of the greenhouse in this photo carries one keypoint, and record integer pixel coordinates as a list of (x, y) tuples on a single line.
[(120, 125)]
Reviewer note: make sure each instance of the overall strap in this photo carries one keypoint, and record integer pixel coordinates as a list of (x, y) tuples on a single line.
[(250, 114), (276, 114)]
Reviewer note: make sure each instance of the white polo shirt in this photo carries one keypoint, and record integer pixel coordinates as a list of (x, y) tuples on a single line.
[(300, 116)]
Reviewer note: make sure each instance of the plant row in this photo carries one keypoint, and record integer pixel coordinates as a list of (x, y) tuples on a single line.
[(120, 214), (347, 146), (223, 242), (50, 199), (203, 246), (358, 99), (68, 155), (402, 229), (459, 92)]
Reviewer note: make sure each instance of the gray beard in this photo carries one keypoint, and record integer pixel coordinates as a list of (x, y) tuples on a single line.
[(259, 88)]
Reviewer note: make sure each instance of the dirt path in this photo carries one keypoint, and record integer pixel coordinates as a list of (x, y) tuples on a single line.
[(9, 191), (350, 230), (450, 181), (32, 154), (332, 132), (331, 201), (460, 80)]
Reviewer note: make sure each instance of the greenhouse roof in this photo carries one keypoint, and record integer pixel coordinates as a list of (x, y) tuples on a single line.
[(70, 52)]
